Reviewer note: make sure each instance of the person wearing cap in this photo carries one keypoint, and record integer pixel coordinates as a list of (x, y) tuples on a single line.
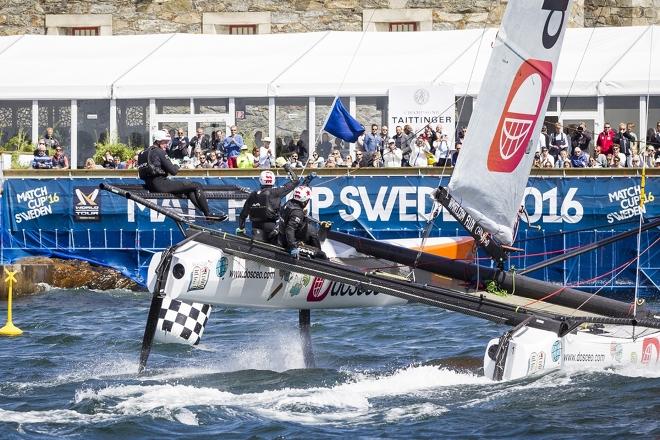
[(41, 160), (266, 156), (245, 159), (154, 167), (392, 155)]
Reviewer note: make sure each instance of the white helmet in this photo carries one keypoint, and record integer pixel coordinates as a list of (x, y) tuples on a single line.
[(162, 135), (302, 194), (267, 178)]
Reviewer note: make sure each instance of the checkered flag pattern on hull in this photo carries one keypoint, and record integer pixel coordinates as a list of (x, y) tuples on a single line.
[(180, 322)]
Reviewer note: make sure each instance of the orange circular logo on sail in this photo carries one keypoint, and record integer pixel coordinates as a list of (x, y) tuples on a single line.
[(521, 111)]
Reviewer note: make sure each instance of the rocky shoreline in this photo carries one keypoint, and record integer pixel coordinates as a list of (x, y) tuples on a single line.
[(34, 272)]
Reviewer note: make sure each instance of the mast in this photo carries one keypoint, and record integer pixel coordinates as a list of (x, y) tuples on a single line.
[(487, 186)]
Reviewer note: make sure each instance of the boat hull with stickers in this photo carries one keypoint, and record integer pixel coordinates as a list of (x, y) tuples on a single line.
[(551, 327)]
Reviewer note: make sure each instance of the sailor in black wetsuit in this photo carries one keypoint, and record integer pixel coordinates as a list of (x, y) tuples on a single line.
[(154, 167), (263, 207), (294, 226)]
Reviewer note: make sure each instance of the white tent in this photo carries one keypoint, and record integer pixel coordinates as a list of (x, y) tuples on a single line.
[(594, 62)]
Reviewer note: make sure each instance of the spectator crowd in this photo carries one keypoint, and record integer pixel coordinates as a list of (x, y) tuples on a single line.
[(378, 148), (620, 148)]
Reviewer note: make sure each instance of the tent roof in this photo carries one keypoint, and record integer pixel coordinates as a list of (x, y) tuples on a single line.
[(594, 62)]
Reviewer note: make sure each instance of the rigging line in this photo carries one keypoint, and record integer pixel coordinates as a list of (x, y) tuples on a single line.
[(436, 208), (341, 84), (642, 201), (618, 269), (142, 60), (570, 88), (12, 44), (460, 55), (584, 53), (625, 52)]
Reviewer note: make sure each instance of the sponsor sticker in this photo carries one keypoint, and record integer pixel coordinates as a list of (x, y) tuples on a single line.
[(221, 267), (556, 351), (87, 204), (315, 294), (521, 111), (616, 350), (38, 202), (199, 277), (650, 351)]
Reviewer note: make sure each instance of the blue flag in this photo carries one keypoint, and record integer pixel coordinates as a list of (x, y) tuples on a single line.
[(341, 124)]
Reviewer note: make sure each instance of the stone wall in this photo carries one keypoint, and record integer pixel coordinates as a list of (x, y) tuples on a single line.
[(164, 16)]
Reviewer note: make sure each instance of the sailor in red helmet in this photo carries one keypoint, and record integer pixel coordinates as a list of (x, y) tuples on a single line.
[(295, 226), (263, 207)]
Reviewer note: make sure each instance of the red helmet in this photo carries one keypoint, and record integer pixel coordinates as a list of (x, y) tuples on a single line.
[(302, 194), (267, 178)]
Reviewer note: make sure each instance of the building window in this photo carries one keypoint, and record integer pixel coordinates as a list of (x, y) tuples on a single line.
[(325, 141), (93, 127), (133, 122), (242, 29), (624, 109), (15, 124), (653, 119), (397, 20), (408, 26), (291, 133), (211, 106), (252, 119), (57, 115), (579, 103), (79, 24), (173, 106), (234, 23), (83, 31)]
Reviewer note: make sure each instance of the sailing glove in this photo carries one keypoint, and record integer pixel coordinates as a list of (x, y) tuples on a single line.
[(308, 179), (295, 252)]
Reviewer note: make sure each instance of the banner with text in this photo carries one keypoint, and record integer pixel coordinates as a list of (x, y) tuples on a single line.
[(422, 105)]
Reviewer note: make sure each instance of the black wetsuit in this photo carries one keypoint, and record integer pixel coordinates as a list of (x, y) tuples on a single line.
[(294, 226), (263, 208), (154, 167)]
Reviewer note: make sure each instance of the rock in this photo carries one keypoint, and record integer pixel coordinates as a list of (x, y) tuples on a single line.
[(67, 274)]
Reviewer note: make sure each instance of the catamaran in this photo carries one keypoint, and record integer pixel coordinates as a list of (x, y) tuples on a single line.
[(552, 326)]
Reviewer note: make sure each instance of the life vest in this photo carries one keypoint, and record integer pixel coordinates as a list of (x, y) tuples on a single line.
[(146, 168), (265, 207)]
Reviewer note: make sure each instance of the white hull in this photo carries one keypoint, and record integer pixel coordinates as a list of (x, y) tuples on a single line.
[(532, 351), (212, 277), (205, 274)]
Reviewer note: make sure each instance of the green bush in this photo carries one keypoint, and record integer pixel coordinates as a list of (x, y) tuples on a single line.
[(19, 142), (15, 164), (124, 151)]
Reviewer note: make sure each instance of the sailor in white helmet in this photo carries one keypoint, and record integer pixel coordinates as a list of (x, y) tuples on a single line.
[(295, 228), (154, 166), (263, 206)]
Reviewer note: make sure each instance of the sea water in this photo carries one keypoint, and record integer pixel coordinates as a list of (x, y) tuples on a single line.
[(398, 372)]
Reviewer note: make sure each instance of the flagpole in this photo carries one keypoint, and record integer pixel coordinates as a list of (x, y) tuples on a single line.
[(327, 117)]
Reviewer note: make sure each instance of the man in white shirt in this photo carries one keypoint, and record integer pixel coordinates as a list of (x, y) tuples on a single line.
[(266, 156), (392, 155), (546, 158)]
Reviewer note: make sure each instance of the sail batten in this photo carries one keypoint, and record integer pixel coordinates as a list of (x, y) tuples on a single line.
[(497, 154)]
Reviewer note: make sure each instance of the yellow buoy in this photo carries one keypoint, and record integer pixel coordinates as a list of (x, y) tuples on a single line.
[(10, 329)]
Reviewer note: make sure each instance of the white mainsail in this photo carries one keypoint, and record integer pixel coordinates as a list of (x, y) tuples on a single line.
[(497, 154)]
